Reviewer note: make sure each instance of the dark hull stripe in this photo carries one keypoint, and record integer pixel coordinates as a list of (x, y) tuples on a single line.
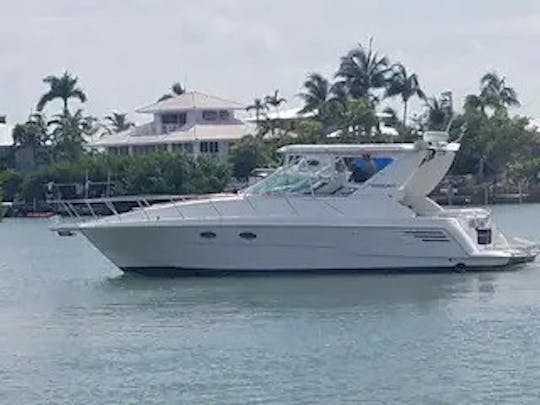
[(190, 272)]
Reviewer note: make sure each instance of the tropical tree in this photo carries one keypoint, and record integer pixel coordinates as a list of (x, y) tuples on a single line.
[(404, 85), (317, 93), (494, 94), (259, 107), (362, 71), (70, 133), (439, 114), (30, 140), (247, 154), (328, 100), (176, 90), (25, 135), (473, 103), (118, 122), (357, 120), (63, 88), (275, 100)]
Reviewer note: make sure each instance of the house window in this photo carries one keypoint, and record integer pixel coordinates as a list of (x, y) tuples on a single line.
[(143, 149), (173, 119), (182, 148), (209, 115), (224, 115), (123, 151), (209, 147)]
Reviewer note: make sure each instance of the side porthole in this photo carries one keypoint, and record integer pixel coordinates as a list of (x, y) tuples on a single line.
[(208, 235), (247, 235)]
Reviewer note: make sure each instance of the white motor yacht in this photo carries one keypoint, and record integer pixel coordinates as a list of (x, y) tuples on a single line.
[(328, 208)]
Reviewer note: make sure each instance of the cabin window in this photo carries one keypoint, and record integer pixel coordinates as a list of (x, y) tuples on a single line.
[(209, 147), (208, 235), (209, 115)]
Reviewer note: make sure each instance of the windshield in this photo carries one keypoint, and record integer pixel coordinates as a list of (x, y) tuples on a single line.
[(306, 176), (320, 175)]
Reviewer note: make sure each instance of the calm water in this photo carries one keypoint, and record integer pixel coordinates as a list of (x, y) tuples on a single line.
[(74, 330)]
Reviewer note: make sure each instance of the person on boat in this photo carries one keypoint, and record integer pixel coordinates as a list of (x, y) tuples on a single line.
[(361, 174)]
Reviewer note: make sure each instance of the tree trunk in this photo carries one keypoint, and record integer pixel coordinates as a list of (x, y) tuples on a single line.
[(65, 106), (405, 113)]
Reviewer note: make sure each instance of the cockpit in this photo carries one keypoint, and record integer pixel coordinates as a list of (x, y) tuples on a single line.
[(320, 175)]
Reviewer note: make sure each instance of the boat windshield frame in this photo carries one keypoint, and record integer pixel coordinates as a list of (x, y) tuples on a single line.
[(303, 175)]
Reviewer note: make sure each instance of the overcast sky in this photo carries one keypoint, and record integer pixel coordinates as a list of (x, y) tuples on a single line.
[(128, 52)]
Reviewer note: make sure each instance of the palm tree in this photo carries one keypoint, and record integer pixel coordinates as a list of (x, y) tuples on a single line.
[(494, 92), (24, 136), (275, 101), (64, 88), (363, 70), (317, 93), (438, 114), (473, 103), (404, 85), (69, 134), (176, 90), (328, 100), (259, 106), (117, 122)]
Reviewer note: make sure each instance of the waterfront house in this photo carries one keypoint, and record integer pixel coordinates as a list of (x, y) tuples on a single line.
[(192, 123)]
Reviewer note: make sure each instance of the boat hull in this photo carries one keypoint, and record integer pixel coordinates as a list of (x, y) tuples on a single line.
[(175, 249)]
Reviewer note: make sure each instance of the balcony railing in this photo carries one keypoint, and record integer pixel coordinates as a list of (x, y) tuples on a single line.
[(152, 128)]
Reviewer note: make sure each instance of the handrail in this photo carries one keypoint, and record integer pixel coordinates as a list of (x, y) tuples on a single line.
[(143, 202)]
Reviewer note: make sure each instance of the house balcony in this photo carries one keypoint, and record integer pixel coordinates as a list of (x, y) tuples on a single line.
[(152, 128)]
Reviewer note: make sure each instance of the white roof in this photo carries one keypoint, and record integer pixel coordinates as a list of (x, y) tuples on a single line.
[(288, 114), (294, 113), (192, 100), (200, 132)]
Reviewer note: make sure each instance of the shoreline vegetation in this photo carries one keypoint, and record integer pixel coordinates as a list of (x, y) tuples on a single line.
[(500, 153)]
